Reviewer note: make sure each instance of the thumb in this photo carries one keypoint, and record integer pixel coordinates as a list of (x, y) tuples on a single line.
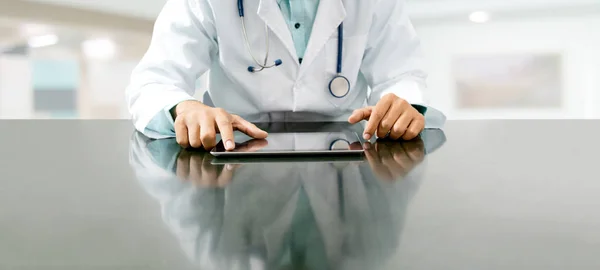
[(249, 128), (360, 114)]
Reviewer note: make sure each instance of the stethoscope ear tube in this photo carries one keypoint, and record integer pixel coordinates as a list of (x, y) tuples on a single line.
[(263, 65), (340, 48), (241, 8)]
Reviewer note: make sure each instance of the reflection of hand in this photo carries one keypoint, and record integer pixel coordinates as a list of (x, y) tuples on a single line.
[(252, 145), (391, 160), (197, 168)]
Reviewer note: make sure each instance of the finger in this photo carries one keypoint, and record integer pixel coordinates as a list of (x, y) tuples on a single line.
[(416, 155), (194, 135), (209, 173), (390, 118), (403, 160), (396, 170), (375, 162), (252, 145), (414, 150), (372, 157), (360, 114), (226, 175), (207, 158), (233, 167), (356, 146), (249, 128), (195, 175), (415, 127), (256, 145), (181, 133), (208, 134), (224, 123), (384, 148), (397, 148), (400, 126), (244, 147), (376, 116), (183, 165)]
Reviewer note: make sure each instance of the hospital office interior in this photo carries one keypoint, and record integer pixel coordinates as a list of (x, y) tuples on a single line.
[(496, 59)]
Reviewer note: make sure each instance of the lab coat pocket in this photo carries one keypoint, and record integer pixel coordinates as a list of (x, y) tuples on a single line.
[(353, 49)]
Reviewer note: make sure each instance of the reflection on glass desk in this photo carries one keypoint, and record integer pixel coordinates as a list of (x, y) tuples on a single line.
[(503, 194), (289, 214)]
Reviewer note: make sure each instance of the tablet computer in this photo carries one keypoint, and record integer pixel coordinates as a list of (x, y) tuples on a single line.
[(298, 139)]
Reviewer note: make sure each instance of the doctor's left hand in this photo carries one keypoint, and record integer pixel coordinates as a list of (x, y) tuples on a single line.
[(196, 125), (392, 117)]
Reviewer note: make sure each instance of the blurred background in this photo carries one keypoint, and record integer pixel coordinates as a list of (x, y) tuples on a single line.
[(486, 59)]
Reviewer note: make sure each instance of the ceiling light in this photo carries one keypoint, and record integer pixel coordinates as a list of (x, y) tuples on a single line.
[(42, 41), (479, 17), (99, 48)]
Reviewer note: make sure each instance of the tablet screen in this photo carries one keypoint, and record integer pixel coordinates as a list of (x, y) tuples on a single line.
[(298, 138)]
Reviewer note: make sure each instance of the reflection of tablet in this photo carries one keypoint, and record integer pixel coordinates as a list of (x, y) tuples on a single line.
[(293, 139), (260, 159)]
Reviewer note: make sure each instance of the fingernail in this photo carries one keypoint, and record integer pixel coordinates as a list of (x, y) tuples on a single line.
[(367, 136), (367, 146), (229, 167), (229, 145)]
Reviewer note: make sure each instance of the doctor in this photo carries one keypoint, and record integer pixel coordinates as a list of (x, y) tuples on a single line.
[(331, 60)]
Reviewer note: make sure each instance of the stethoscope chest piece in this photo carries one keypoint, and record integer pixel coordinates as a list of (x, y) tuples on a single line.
[(339, 144), (339, 86)]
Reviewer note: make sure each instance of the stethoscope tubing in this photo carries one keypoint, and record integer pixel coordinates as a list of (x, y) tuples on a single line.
[(278, 62), (264, 65), (340, 48)]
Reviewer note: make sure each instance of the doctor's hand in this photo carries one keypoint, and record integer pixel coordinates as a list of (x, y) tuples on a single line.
[(197, 125), (392, 117)]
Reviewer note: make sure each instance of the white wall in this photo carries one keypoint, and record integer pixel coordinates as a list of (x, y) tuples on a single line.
[(146, 9), (578, 39), (107, 81), (16, 93)]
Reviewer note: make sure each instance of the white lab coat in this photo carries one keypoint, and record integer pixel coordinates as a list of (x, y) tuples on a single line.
[(243, 225), (381, 55)]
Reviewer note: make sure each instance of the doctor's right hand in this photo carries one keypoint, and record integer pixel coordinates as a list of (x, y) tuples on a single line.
[(197, 125)]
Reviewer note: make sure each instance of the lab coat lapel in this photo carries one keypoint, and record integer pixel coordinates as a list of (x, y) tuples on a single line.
[(269, 12), (330, 15)]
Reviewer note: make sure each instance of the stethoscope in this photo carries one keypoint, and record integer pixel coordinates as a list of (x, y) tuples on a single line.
[(339, 86)]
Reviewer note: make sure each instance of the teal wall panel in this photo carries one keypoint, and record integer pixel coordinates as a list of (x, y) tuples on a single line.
[(55, 74)]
